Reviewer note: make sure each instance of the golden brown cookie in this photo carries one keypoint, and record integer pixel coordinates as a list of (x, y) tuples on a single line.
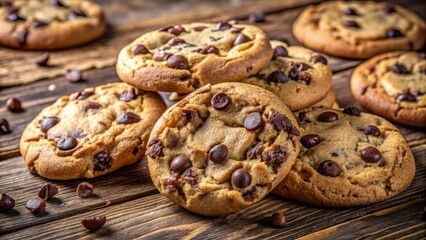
[(298, 76), (328, 101), (222, 148), (91, 133), (359, 29), (49, 24), (347, 158), (393, 85), (185, 57)]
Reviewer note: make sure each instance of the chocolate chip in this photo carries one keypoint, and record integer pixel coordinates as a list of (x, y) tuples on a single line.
[(74, 75), (279, 51), (277, 76), (199, 28), (155, 148), (47, 191), (14, 16), (255, 152), (91, 105), (406, 95), (180, 163), (14, 105), (6, 203), (236, 30), (102, 161), (310, 140), (176, 30), (353, 111), (300, 66), (4, 126), (371, 155), (161, 56), (47, 123), (128, 95), (21, 37), (328, 117), (275, 157), (282, 122), (253, 121), (139, 49), (221, 26), (84, 190), (278, 219), (190, 115), (241, 178), (393, 33), (175, 41), (389, 8), (43, 59), (399, 69), (57, 3), (422, 55), (209, 49), (83, 95), (67, 143), (319, 59), (372, 130), (218, 153), (304, 77), (329, 168), (257, 17), (73, 14), (94, 223), (177, 62), (351, 12), (351, 24), (128, 118), (220, 101), (240, 39), (36, 205), (37, 23)]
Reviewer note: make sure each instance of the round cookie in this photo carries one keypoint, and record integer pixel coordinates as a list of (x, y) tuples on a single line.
[(298, 76), (347, 158), (359, 29), (393, 85), (222, 148), (185, 57), (328, 101), (49, 24), (91, 133)]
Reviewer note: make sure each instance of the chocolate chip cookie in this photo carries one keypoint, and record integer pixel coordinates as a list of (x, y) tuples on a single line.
[(328, 101), (347, 158), (298, 76), (49, 24), (393, 85), (359, 29), (91, 133), (222, 148), (185, 57)]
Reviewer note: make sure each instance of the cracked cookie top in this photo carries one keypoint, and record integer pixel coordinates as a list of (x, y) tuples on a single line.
[(185, 57), (91, 133), (347, 158), (393, 85), (222, 148), (49, 24), (298, 76), (359, 29)]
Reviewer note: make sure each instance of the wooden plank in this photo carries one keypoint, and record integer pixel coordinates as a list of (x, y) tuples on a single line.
[(155, 217), (129, 183)]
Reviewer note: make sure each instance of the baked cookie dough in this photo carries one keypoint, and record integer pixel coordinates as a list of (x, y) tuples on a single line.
[(49, 24), (329, 100), (347, 158), (185, 57), (298, 76), (359, 29), (91, 133), (222, 148), (393, 85)]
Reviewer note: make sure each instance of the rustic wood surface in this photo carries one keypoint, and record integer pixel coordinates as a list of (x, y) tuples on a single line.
[(133, 206)]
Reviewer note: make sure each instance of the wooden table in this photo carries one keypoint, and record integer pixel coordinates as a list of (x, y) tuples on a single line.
[(133, 206)]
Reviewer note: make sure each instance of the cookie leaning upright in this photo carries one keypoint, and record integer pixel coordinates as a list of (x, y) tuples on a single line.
[(185, 57), (393, 85), (49, 24), (222, 148), (359, 29), (91, 133), (298, 76), (347, 158)]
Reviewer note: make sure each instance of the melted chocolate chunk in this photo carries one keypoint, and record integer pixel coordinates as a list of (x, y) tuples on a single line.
[(180, 164), (91, 105), (389, 8), (310, 140), (240, 39), (209, 49), (220, 101), (328, 117), (176, 30), (253, 121), (218, 153), (37, 24), (282, 122), (407, 96), (57, 3), (275, 157), (155, 148), (128, 95), (399, 69), (221, 26), (128, 118), (102, 161), (277, 77), (279, 51), (319, 59), (353, 111), (372, 130), (250, 195), (161, 56), (329, 168), (351, 12), (255, 152), (139, 49), (394, 33), (67, 143), (175, 41), (351, 24), (73, 14), (83, 95), (47, 123), (177, 62), (199, 28)]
